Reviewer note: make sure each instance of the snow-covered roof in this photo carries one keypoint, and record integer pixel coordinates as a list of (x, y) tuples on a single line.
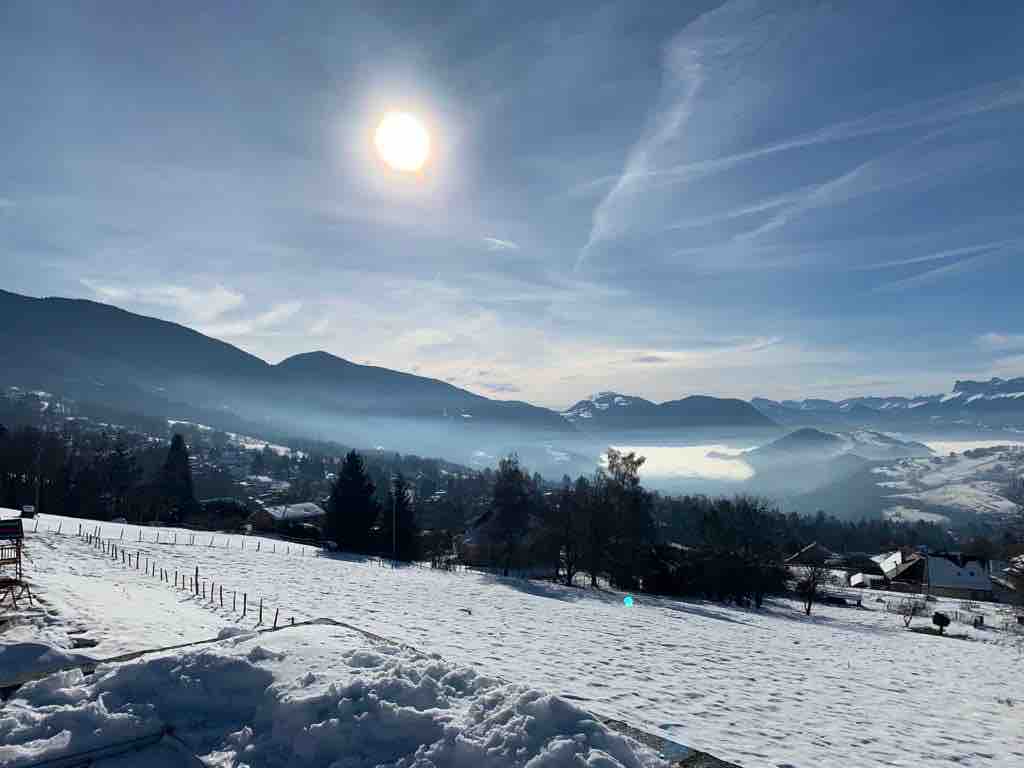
[(307, 510)]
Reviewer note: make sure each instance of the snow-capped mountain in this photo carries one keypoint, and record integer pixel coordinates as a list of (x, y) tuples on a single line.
[(612, 411), (606, 407), (993, 403)]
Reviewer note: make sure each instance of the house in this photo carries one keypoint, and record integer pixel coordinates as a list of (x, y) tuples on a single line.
[(1015, 572), (951, 574), (814, 554), (867, 580), (286, 516), (904, 569)]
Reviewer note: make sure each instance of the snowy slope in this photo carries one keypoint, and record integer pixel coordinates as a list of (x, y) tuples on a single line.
[(846, 687), (975, 482)]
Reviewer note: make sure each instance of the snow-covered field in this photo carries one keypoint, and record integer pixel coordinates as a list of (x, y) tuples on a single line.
[(772, 688), (955, 482)]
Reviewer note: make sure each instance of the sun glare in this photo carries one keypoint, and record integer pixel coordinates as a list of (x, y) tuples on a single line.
[(402, 142)]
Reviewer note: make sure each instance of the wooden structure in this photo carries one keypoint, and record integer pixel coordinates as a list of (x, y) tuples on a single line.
[(12, 585)]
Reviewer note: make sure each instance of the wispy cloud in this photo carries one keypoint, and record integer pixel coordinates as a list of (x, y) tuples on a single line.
[(949, 253), (496, 244), (761, 206), (1002, 94), (651, 359), (499, 387), (708, 69), (972, 258), (273, 318), (909, 164), (684, 75), (195, 304), (1001, 342)]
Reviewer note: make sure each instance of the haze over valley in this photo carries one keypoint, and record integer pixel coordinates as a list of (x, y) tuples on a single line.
[(807, 455)]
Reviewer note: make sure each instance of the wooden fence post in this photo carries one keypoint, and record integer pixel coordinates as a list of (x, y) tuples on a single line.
[(261, 613), (234, 601), (245, 599), (258, 542), (276, 610), (197, 580), (221, 595)]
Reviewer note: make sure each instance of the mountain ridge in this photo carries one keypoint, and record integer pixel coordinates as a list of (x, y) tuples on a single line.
[(995, 403), (613, 411), (99, 353)]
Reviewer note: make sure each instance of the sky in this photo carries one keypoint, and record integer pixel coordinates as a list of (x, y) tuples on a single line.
[(742, 199)]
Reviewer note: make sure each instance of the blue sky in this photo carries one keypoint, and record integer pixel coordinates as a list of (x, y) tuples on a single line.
[(776, 199)]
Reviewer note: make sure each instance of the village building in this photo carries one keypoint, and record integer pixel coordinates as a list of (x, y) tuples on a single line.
[(285, 516), (950, 574)]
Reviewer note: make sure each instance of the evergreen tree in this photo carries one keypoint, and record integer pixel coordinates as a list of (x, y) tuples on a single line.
[(398, 522), (258, 465), (510, 510), (122, 475), (352, 509), (175, 483)]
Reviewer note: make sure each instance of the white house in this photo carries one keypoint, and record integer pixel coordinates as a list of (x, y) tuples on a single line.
[(950, 574)]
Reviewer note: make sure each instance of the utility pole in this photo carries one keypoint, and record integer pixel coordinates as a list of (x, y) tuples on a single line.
[(39, 470), (394, 518)]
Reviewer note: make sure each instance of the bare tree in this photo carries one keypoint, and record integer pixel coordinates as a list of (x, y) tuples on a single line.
[(812, 579), (908, 609)]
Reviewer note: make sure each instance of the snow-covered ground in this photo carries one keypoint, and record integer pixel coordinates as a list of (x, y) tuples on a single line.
[(771, 688), (311, 695), (955, 482)]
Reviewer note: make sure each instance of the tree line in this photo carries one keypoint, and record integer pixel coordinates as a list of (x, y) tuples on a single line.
[(95, 474)]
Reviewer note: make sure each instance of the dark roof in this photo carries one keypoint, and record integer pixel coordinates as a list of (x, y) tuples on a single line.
[(813, 554)]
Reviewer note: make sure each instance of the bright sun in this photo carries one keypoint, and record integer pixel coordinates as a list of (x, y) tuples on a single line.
[(402, 141)]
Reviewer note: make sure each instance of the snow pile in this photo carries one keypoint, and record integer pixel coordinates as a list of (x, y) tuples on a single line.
[(23, 659), (311, 696)]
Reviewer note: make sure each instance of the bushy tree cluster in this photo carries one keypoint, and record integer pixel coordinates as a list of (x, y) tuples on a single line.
[(690, 519)]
